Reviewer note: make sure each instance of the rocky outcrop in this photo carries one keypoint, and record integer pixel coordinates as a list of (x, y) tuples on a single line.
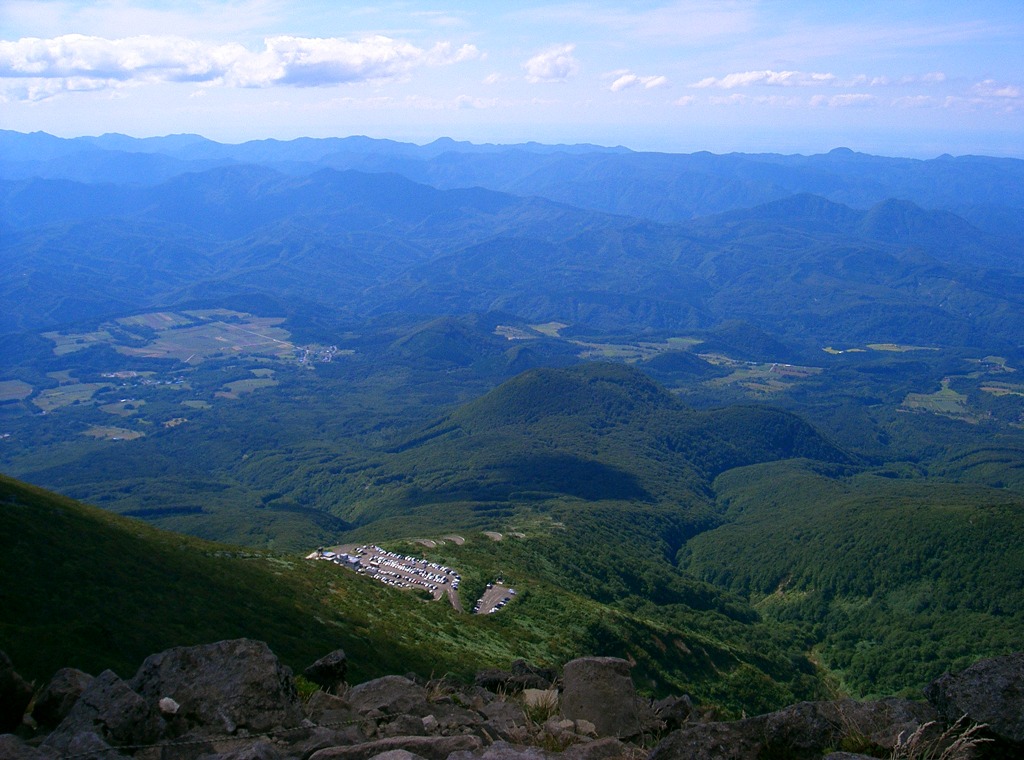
[(234, 700), (600, 690), (57, 698), (329, 671), (802, 731), (226, 687), (112, 711), (990, 692)]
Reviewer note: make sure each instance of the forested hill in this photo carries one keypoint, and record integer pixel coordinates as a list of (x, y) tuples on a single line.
[(344, 244), (587, 434)]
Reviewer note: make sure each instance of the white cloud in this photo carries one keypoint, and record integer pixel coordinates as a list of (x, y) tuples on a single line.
[(624, 79), (766, 77), (555, 64), (844, 101), (284, 60), (989, 88), (686, 100)]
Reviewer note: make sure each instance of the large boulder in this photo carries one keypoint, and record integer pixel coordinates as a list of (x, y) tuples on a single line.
[(57, 698), (990, 691), (738, 740), (329, 671), (15, 694), (600, 690), (391, 695), (223, 687), (113, 711)]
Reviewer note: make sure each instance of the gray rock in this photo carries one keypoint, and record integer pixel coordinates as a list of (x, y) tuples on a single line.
[(504, 751), (803, 731), (429, 747), (990, 691), (451, 717), (599, 689), (326, 709), (329, 671), (57, 698), (608, 748), (15, 694), (322, 738), (260, 750), (503, 719), (222, 687), (673, 711), (397, 754), (90, 746), (393, 695), (13, 748), (492, 679), (113, 711), (521, 668), (710, 741), (404, 725)]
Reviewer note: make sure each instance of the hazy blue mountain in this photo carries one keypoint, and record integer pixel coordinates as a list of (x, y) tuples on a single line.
[(804, 270), (658, 186)]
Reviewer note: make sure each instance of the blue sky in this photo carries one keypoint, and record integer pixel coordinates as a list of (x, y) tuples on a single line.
[(894, 78)]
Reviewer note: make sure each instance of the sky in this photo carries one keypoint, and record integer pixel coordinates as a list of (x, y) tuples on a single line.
[(907, 78)]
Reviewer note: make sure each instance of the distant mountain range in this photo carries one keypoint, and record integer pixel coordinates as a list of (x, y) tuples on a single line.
[(838, 248)]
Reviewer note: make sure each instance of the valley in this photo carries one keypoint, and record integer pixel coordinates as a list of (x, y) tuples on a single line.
[(767, 448)]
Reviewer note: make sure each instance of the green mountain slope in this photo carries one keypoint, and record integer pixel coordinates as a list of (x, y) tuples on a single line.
[(591, 433), (95, 591), (898, 579)]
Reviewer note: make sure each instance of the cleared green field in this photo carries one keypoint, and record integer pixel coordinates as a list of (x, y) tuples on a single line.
[(898, 348), (123, 408), (14, 390), (193, 344), (158, 320), (946, 402), (113, 433), (71, 342), (241, 387), (65, 395)]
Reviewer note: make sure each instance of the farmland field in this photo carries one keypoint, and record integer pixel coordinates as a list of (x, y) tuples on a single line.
[(14, 390), (190, 336), (113, 433), (65, 395)]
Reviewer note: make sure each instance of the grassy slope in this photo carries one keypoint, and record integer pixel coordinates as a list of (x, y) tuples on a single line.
[(94, 590)]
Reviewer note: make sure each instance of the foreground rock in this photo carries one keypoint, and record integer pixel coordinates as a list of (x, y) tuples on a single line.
[(600, 690), (110, 710), (57, 698), (803, 731), (329, 671), (234, 700), (990, 692), (228, 686)]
